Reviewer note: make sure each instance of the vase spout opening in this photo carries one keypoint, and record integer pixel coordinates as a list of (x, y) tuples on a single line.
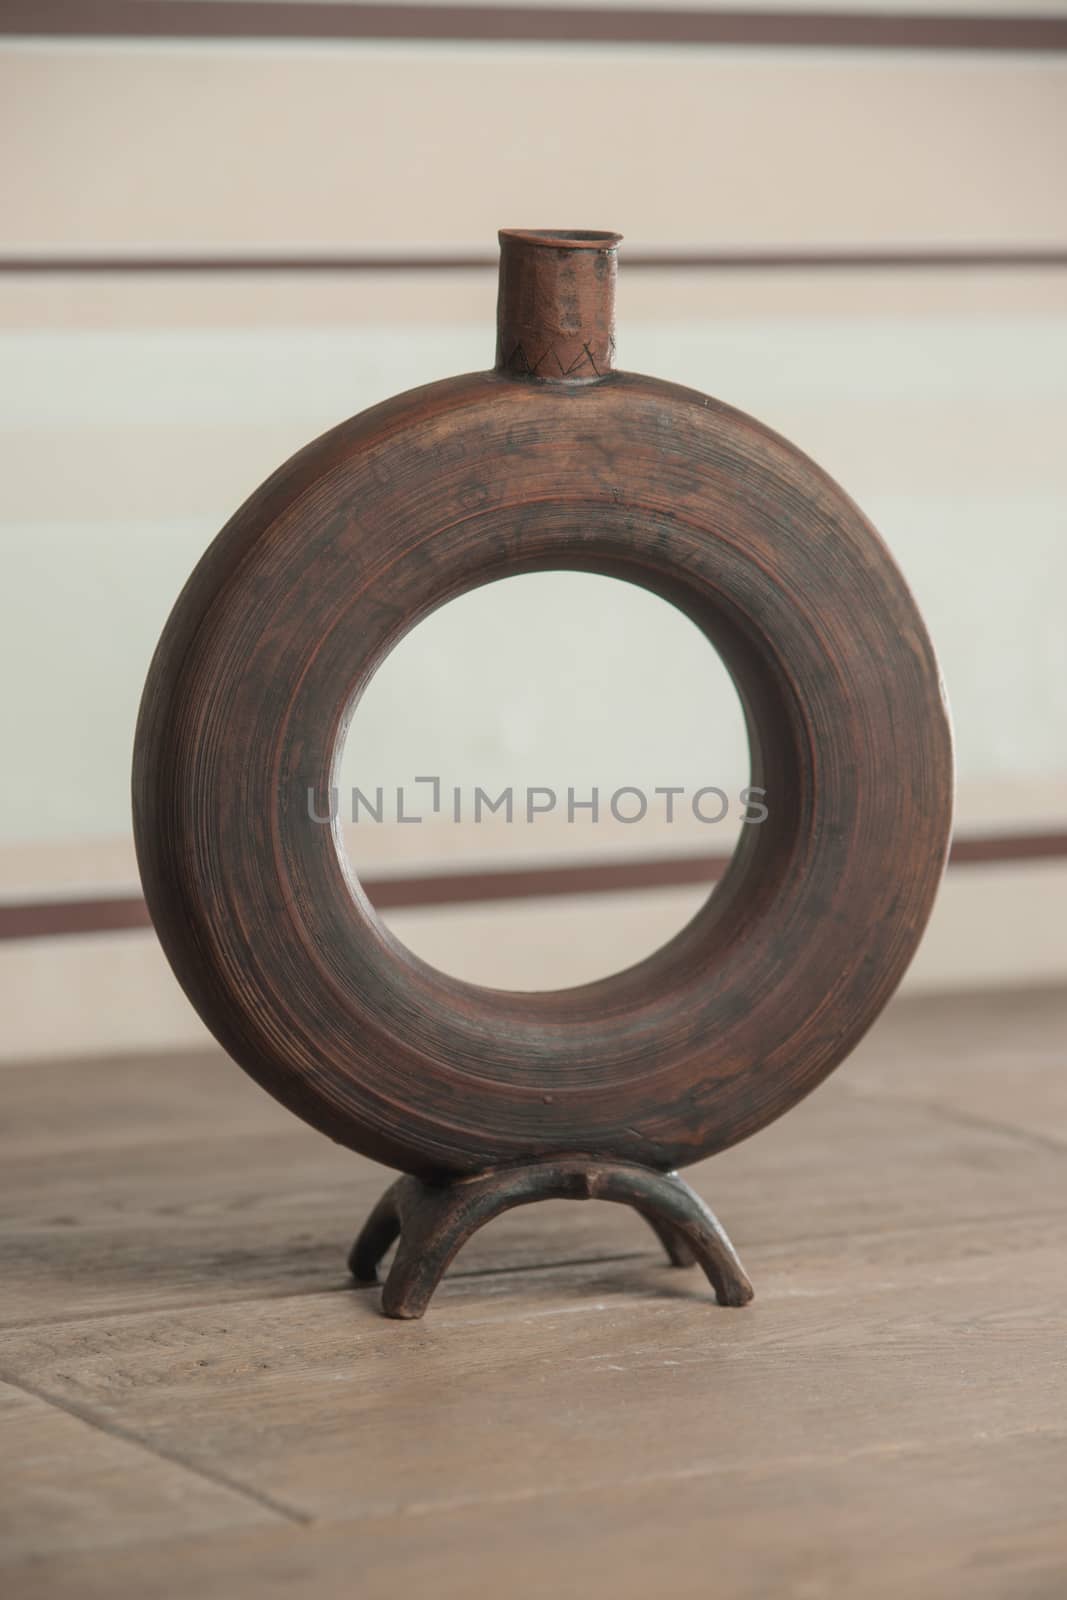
[(556, 305)]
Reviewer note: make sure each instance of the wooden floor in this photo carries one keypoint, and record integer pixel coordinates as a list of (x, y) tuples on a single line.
[(196, 1403)]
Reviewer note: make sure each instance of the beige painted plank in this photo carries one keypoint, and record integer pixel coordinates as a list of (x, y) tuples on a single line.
[(982, 1518), (69, 1486), (993, 926), (417, 146), (88, 996), (91, 996)]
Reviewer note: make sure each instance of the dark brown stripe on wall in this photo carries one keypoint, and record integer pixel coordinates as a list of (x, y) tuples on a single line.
[(49, 919), (262, 19), (469, 261), (52, 919)]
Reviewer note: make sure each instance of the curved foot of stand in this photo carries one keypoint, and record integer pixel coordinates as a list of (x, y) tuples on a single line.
[(433, 1223)]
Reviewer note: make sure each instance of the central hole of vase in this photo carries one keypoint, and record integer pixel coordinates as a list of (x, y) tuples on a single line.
[(541, 780)]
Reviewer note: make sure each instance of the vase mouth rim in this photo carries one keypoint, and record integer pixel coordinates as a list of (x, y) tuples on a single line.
[(563, 238)]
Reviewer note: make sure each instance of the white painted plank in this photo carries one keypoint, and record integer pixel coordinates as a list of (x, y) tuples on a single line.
[(126, 451)]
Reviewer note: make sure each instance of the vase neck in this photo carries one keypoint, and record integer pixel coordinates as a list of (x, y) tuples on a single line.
[(556, 307)]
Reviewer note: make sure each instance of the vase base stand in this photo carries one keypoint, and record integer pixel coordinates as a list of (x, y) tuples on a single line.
[(433, 1221)]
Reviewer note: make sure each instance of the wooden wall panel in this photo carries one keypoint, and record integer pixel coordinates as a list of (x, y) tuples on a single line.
[(141, 407)]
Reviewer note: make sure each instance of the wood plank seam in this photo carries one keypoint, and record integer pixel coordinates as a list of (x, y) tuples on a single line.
[(713, 1467), (770, 260), (455, 1273), (461, 1276), (960, 1118), (753, 26), (175, 1458)]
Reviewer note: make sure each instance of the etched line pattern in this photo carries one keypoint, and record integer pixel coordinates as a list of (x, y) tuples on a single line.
[(566, 361)]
